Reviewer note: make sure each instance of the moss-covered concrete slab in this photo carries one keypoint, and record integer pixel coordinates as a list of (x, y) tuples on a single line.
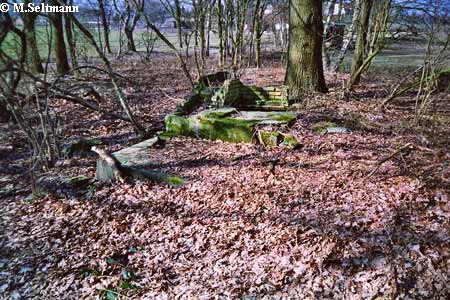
[(226, 124), (268, 117), (136, 163)]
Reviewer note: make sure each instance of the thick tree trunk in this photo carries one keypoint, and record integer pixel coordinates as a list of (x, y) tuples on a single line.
[(59, 46), (361, 41), (230, 19), (304, 72), (197, 32), (130, 39), (33, 57)]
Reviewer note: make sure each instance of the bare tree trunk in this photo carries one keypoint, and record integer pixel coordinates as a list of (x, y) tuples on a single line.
[(361, 41), (377, 39), (70, 38), (229, 29), (243, 7), (33, 57), (220, 33), (197, 32), (202, 31), (130, 39), (348, 37), (178, 22), (259, 33), (105, 25), (304, 72), (208, 30), (252, 31), (59, 46), (6, 25), (130, 17), (325, 55)]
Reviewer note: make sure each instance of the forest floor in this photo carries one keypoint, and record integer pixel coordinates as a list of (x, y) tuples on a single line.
[(346, 216)]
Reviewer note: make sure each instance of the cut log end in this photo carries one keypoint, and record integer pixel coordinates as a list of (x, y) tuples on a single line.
[(109, 168)]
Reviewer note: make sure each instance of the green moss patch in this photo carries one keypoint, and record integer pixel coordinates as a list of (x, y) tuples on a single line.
[(321, 127), (275, 138), (225, 124)]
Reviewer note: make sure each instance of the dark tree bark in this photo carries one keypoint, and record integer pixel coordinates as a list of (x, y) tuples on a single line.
[(362, 27), (130, 17), (252, 31), (178, 23), (5, 115), (326, 57), (130, 39), (105, 25), (241, 12), (71, 41), (220, 33), (59, 46), (5, 26), (229, 25), (33, 57), (259, 30), (304, 72), (200, 22), (134, 16)]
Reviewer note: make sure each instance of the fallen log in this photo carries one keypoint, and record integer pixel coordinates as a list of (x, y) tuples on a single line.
[(109, 168)]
